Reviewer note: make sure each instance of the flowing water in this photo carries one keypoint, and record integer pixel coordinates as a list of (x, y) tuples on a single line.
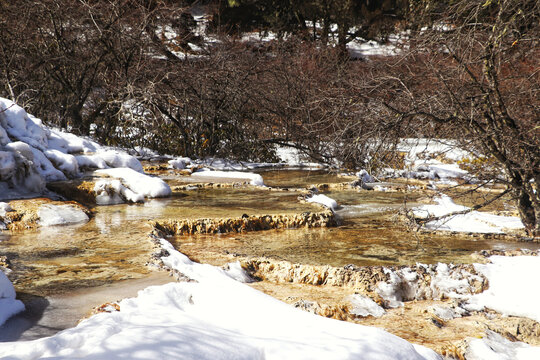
[(370, 235), (64, 264)]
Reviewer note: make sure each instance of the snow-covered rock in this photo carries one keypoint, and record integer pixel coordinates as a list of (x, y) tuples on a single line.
[(50, 214), (179, 163), (4, 208), (364, 306), (364, 176), (117, 159), (130, 185), (323, 200)]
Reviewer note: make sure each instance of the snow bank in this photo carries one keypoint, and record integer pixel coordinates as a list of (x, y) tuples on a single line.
[(496, 347), (254, 179), (424, 160), (474, 221), (512, 290), (117, 159), (214, 317), (294, 158), (32, 154), (323, 200), (8, 305)]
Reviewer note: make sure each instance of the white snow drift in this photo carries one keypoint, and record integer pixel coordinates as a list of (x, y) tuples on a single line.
[(32, 154), (474, 221), (215, 317)]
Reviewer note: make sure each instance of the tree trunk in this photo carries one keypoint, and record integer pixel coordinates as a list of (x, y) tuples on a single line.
[(529, 216)]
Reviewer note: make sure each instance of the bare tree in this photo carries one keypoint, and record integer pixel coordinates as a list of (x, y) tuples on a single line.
[(473, 72)]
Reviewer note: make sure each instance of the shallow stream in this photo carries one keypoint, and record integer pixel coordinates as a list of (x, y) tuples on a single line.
[(65, 264)]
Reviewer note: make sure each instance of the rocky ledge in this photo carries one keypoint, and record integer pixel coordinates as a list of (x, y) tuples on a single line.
[(246, 223)]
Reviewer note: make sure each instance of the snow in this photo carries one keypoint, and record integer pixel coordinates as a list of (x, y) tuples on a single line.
[(496, 347), (91, 161), (179, 163), (117, 159), (324, 200), (213, 317), (111, 192), (361, 48), (254, 179), (7, 164), (235, 165), (235, 271), (8, 305), (474, 221), (364, 176), (429, 159), (66, 163), (33, 154), (71, 143), (140, 185), (364, 306), (50, 214), (45, 168), (511, 291), (4, 208)]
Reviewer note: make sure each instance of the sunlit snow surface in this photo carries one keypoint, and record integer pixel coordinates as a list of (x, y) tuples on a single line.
[(323, 200), (8, 305), (213, 317), (512, 291), (32, 154), (254, 179), (472, 222)]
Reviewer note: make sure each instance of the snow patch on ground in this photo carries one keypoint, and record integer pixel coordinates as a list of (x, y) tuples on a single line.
[(254, 179), (235, 165), (364, 306), (496, 347), (471, 222), (294, 158), (511, 291)]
